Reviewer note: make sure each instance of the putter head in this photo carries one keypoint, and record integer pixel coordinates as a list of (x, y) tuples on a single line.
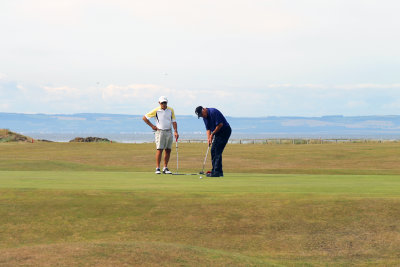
[(201, 172)]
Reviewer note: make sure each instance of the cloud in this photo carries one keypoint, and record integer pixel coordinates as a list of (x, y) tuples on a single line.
[(4, 107), (338, 87), (320, 99), (151, 93), (189, 16), (352, 104), (274, 99), (293, 43), (117, 93), (298, 86), (11, 95), (62, 92), (368, 86), (392, 105), (48, 11), (9, 89), (286, 99)]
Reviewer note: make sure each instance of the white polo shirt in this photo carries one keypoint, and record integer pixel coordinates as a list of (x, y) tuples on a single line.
[(163, 118)]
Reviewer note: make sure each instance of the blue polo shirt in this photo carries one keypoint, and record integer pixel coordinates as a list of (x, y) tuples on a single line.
[(214, 118)]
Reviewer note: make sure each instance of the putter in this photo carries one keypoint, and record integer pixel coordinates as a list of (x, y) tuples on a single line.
[(177, 162), (177, 156), (205, 159)]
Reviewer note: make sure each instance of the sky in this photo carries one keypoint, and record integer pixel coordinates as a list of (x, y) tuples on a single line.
[(248, 58)]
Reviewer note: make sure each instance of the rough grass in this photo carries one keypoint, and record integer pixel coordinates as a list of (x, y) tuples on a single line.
[(344, 158), (103, 218), (125, 254), (88, 205)]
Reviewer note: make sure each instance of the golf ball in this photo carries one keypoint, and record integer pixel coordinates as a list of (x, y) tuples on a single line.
[(201, 177)]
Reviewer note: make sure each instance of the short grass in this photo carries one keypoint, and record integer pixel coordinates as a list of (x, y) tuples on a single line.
[(101, 205)]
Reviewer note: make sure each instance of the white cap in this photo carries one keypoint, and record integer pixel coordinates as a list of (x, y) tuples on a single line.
[(162, 99)]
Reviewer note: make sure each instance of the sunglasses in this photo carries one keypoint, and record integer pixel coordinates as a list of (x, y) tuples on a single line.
[(163, 103)]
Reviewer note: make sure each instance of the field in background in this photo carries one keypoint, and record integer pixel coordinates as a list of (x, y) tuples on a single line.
[(343, 158), (278, 205)]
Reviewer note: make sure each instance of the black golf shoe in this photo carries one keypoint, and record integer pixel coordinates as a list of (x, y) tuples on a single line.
[(166, 171)]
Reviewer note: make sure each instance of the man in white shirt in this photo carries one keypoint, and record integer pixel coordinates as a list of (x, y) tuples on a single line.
[(164, 118)]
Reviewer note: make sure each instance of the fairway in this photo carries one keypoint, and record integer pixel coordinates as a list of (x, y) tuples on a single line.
[(355, 185), (97, 215)]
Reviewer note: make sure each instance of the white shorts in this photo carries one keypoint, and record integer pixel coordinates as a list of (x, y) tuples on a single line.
[(163, 139)]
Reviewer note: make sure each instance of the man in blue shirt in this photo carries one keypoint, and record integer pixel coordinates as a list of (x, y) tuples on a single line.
[(218, 129)]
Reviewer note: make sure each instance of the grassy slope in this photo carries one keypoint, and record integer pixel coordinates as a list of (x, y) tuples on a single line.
[(109, 216), (9, 136)]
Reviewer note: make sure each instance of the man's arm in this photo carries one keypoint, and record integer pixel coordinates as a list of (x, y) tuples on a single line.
[(175, 125), (210, 134), (209, 137), (149, 123)]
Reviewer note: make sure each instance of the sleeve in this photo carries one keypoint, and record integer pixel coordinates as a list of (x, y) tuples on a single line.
[(152, 113), (173, 114), (218, 117), (206, 124)]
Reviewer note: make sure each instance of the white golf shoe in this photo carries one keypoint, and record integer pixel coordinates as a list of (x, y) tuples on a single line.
[(166, 171), (158, 171)]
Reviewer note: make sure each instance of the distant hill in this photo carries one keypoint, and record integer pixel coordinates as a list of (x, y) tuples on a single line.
[(9, 136), (366, 126)]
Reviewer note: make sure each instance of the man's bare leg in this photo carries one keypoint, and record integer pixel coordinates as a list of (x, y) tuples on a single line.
[(158, 157), (166, 157)]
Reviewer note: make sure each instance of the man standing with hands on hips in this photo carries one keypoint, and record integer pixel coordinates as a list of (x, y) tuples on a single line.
[(218, 129), (164, 118)]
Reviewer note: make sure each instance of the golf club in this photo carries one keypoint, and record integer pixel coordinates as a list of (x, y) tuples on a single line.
[(177, 155), (205, 159), (177, 162)]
